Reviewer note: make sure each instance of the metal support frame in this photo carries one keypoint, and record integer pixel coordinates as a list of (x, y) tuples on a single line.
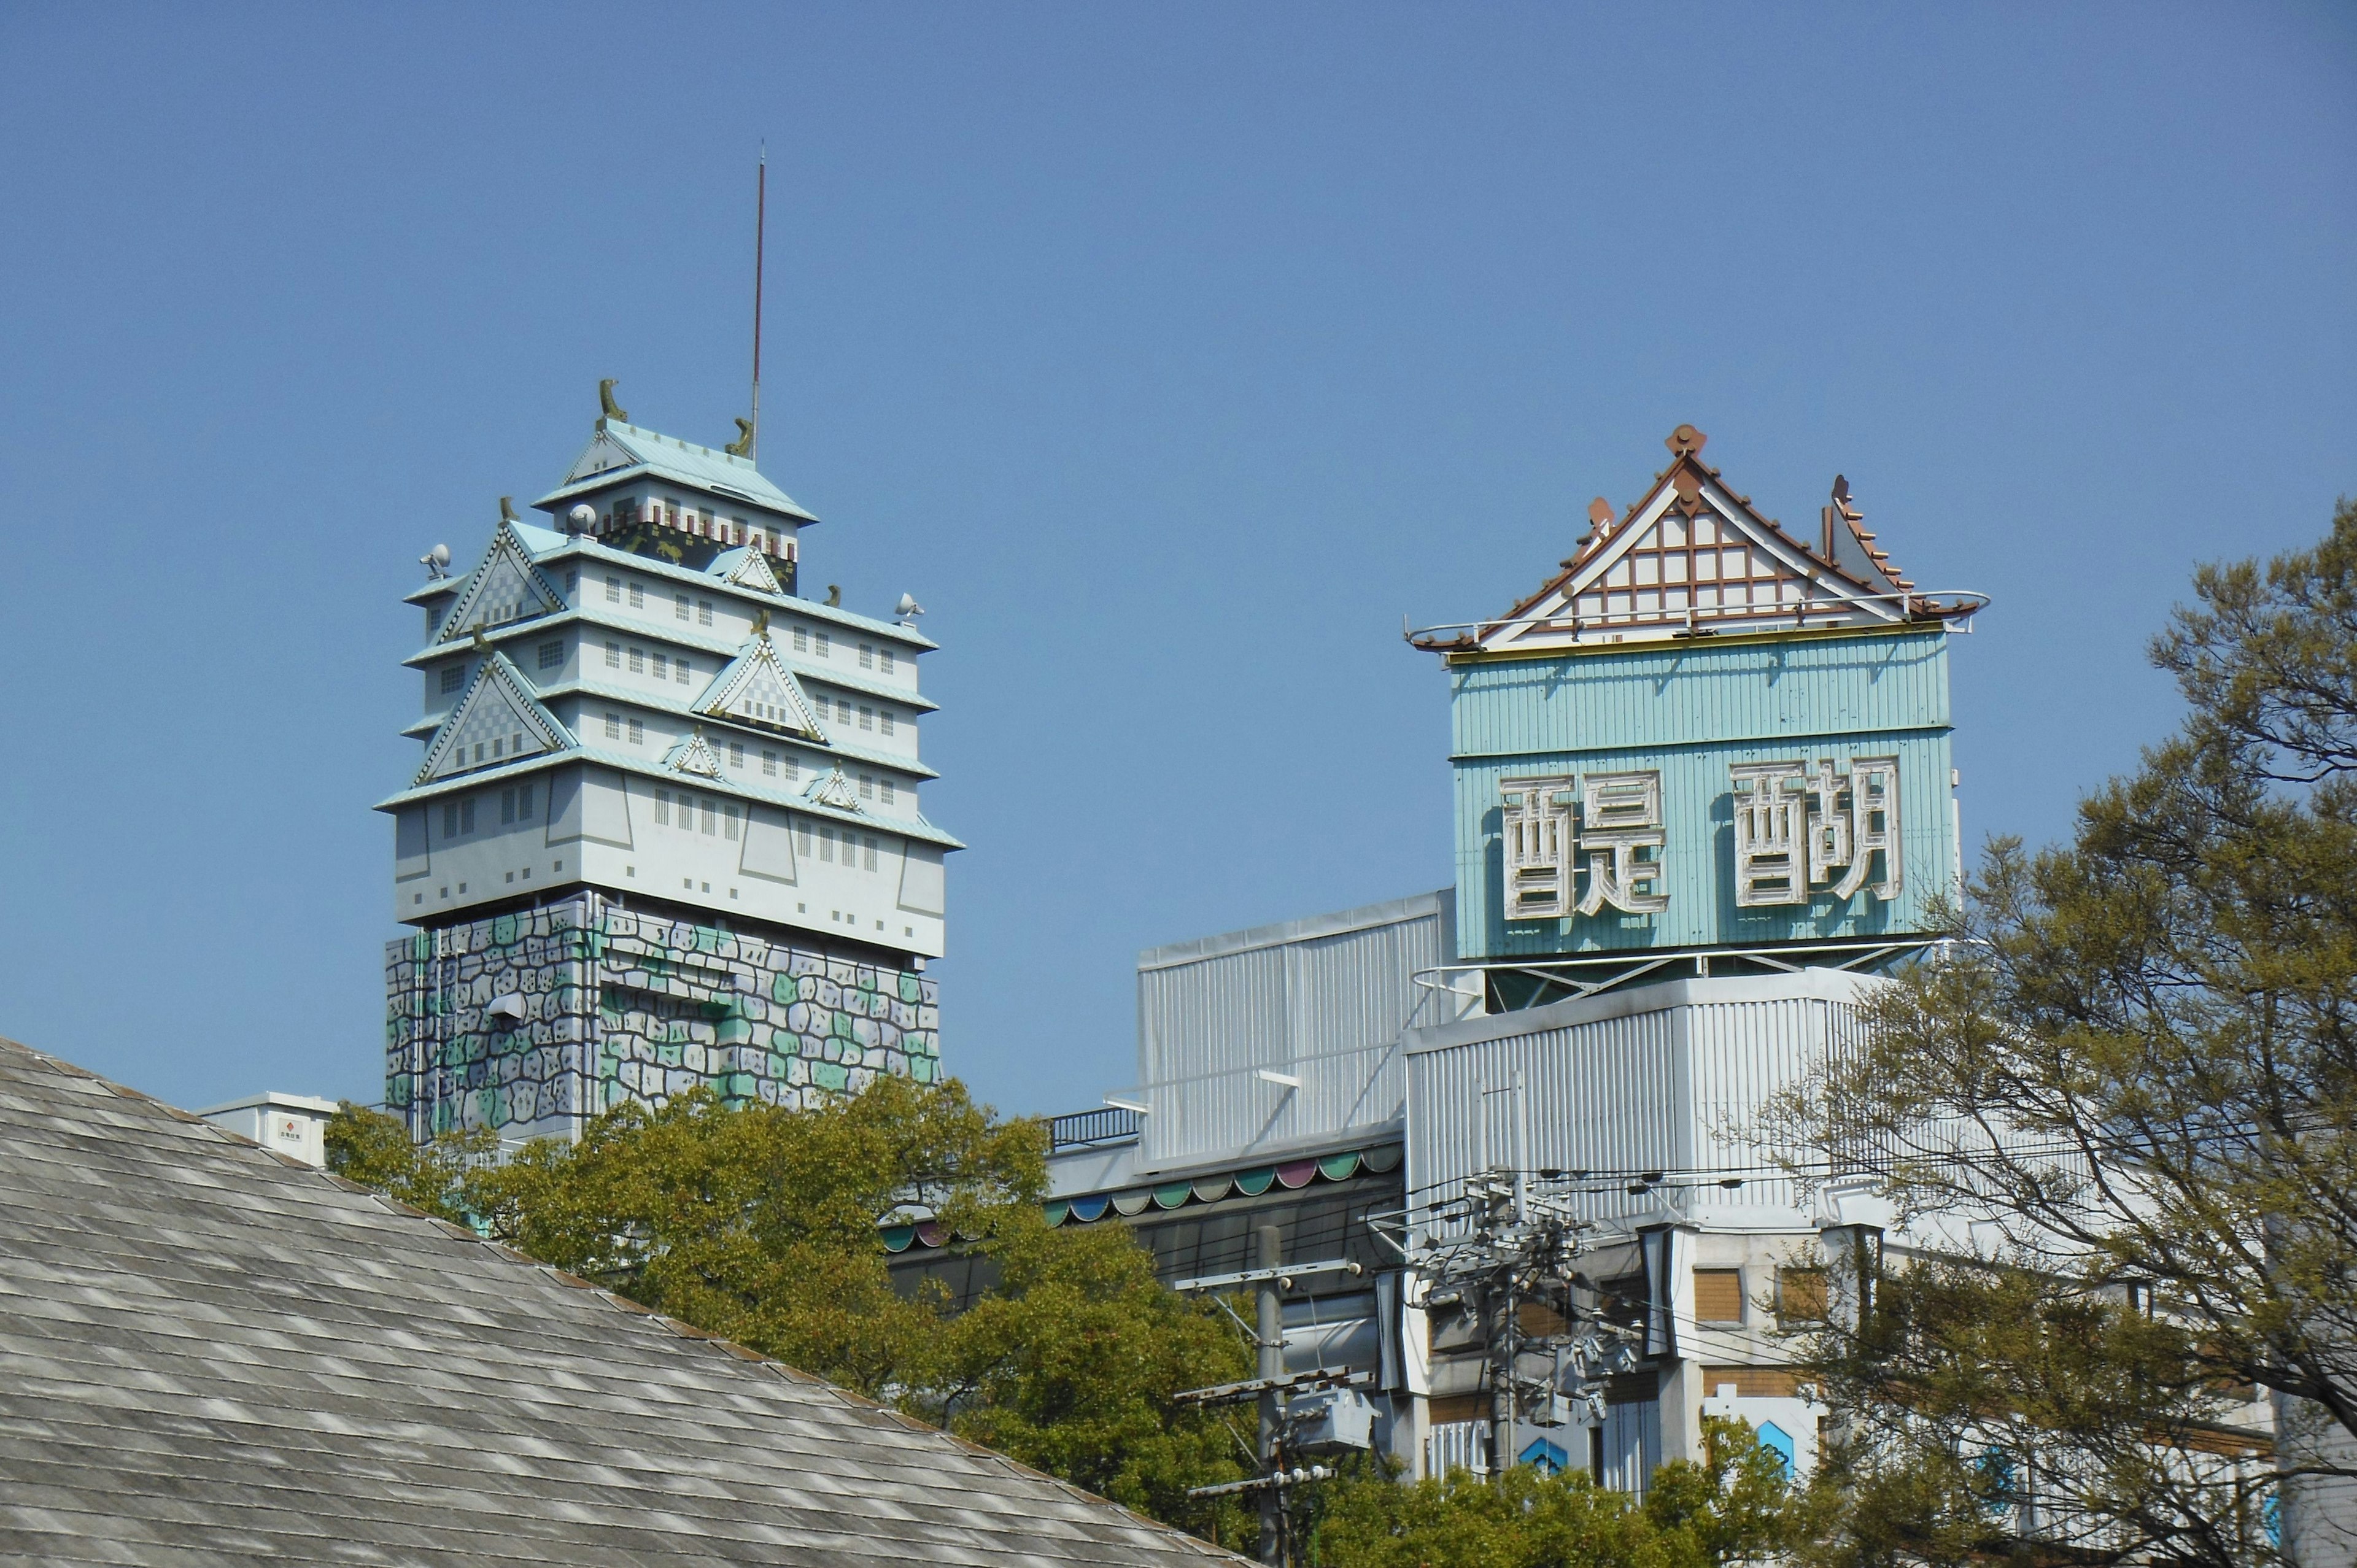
[(1625, 967)]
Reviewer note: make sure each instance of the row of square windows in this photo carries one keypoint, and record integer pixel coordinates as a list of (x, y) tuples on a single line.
[(724, 818), (516, 805), (662, 666), (773, 765), (700, 610)]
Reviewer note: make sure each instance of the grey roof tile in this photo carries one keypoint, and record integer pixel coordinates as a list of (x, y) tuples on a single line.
[(211, 1357)]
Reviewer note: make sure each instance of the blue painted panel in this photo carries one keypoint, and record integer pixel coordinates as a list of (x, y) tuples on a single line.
[(1692, 714), (1699, 692), (1778, 1442)]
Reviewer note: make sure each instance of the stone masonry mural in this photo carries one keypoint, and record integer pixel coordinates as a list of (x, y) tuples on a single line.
[(528, 1022)]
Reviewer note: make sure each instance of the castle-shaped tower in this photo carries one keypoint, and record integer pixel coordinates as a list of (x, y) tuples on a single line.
[(666, 832), (1706, 746)]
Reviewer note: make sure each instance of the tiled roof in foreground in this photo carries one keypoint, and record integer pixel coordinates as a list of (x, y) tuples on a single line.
[(212, 1356)]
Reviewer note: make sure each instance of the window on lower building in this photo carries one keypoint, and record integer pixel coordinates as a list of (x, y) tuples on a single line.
[(867, 717), (736, 754), (637, 732), (551, 654), (870, 846), (662, 808), (704, 612), (465, 823), (662, 666), (802, 640), (818, 645), (803, 837), (679, 672), (886, 789), (730, 809), (613, 656), (1718, 1295), (613, 590), (826, 842), (868, 656), (452, 678), (711, 816), (637, 596), (884, 720), (867, 786), (638, 660), (1800, 1296), (769, 764), (681, 606), (449, 819), (885, 661), (572, 580)]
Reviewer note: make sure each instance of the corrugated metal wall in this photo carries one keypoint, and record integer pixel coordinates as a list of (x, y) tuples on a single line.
[(1666, 1078), (1322, 999)]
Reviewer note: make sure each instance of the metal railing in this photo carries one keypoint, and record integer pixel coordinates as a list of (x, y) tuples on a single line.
[(1572, 975), (1088, 1129), (1959, 605)]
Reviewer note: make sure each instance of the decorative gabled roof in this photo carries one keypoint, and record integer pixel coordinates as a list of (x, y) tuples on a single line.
[(617, 452), (757, 689), (218, 1354), (506, 586), (834, 790), (1693, 558), (498, 719), (747, 569), (693, 755)]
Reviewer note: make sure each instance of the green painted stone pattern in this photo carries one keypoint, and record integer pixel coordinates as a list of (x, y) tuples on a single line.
[(621, 1005)]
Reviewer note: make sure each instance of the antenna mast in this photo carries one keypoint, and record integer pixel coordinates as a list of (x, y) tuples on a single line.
[(760, 232)]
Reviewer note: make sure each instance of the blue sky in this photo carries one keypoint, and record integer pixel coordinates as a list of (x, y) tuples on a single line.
[(1169, 354)]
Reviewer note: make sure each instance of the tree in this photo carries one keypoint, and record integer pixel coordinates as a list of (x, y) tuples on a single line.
[(2135, 1077), (760, 1224), (374, 1150), (1734, 1507)]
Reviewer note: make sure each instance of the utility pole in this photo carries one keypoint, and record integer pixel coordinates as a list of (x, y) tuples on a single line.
[(1270, 1367)]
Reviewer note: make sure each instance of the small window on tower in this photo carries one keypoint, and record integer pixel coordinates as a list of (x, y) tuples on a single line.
[(827, 842), (885, 660), (736, 754), (793, 769), (704, 612), (453, 676), (867, 786), (613, 656), (820, 645), (573, 580), (711, 816), (868, 656), (803, 837), (731, 809), (465, 822), (661, 663), (507, 806), (637, 596), (613, 726), (679, 606), (866, 718), (662, 808), (449, 819), (679, 672), (523, 802), (552, 655), (638, 660), (613, 590), (769, 764), (869, 845), (802, 640), (886, 789), (884, 720), (637, 732)]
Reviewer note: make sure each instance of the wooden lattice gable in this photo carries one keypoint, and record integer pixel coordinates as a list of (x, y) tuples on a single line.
[(507, 586), (1695, 558), (756, 689), (498, 720), (749, 569), (833, 791), (694, 755)]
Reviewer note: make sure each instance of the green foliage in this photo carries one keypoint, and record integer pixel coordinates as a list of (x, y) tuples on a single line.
[(759, 1224), (1734, 1507), (373, 1149), (2140, 1069)]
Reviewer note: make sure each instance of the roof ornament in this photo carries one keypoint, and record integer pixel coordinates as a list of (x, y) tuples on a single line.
[(834, 596), (507, 510), (482, 644), (437, 563), (1688, 485), (761, 623), (607, 407), (743, 445), (1685, 441), (1600, 518)]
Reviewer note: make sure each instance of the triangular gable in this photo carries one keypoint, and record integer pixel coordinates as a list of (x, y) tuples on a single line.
[(498, 720), (1695, 558), (755, 689), (604, 452), (833, 791), (750, 569), (505, 587), (694, 755)]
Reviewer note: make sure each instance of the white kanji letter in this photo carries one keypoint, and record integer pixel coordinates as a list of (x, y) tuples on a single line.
[(1537, 841), (1874, 825), (1773, 842), (1620, 813)]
